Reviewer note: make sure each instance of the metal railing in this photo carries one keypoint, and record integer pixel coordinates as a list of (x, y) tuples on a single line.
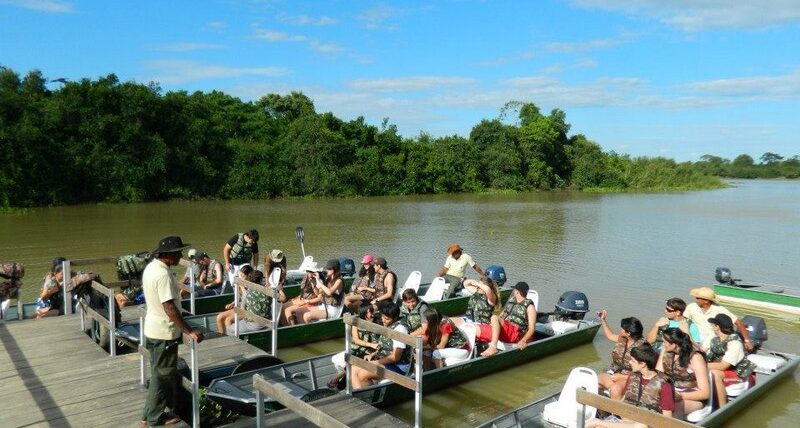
[(625, 410), (311, 413), (194, 383), (238, 312), (191, 289), (110, 323)]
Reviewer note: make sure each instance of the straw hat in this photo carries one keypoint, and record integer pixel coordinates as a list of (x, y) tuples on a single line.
[(704, 293), (276, 256)]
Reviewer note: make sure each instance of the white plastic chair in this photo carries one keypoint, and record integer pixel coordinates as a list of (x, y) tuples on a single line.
[(470, 331), (533, 296), (699, 414), (436, 290), (737, 389), (274, 277), (564, 412), (414, 278), (306, 261)]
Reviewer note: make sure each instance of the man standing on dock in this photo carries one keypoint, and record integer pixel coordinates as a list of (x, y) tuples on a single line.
[(163, 326)]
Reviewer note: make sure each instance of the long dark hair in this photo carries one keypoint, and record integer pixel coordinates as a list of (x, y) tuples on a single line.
[(678, 337), (633, 326), (369, 271), (364, 309), (434, 321)]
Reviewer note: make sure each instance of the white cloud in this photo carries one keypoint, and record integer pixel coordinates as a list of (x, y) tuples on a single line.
[(216, 25), (174, 72), (408, 84), (46, 6), (188, 47), (373, 19), (326, 48), (304, 20), (276, 36), (588, 45), (757, 87), (696, 15), (503, 60)]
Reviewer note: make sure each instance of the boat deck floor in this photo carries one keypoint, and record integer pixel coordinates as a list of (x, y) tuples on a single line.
[(52, 374), (348, 410)]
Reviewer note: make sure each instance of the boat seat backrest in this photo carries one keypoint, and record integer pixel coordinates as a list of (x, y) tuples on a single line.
[(533, 296), (307, 260), (470, 330), (564, 411), (274, 277), (700, 414), (435, 290), (413, 281)]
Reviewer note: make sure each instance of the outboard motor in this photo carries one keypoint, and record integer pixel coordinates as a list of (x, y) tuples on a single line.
[(497, 274), (572, 305), (723, 276), (756, 329), (347, 266)]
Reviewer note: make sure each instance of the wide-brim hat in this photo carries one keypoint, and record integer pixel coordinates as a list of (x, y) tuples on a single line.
[(704, 293), (454, 248), (312, 267), (276, 256), (170, 244)]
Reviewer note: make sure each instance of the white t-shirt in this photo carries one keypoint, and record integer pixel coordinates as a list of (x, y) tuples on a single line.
[(400, 328), (458, 267), (159, 286), (700, 319)]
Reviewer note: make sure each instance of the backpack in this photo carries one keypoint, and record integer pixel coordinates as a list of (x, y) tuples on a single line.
[(130, 267)]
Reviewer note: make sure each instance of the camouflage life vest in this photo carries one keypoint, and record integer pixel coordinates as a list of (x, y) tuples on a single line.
[(716, 351), (385, 345), (681, 377), (517, 313), (621, 353), (334, 299), (259, 304), (361, 351), (414, 316), (211, 271), (307, 289), (479, 309), (380, 287), (647, 396), (457, 339), (241, 252), (363, 281)]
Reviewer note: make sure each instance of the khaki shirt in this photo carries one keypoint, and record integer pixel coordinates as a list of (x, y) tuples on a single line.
[(700, 319), (458, 268), (159, 286)]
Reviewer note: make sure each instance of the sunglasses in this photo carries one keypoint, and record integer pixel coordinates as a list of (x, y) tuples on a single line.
[(668, 309)]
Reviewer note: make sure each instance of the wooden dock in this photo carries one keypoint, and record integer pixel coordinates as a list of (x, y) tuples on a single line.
[(52, 374)]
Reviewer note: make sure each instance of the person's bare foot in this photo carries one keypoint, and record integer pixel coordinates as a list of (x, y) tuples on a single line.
[(491, 350)]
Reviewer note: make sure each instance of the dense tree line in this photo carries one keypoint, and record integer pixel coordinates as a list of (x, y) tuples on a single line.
[(109, 141), (771, 165)]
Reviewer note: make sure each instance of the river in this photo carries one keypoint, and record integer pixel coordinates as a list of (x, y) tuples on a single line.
[(627, 252)]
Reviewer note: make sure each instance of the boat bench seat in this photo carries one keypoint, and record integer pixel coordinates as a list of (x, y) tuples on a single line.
[(767, 363), (555, 328)]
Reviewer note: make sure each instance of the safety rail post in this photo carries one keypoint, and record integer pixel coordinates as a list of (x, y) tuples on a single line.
[(192, 292), (275, 322), (418, 390), (141, 344), (83, 319), (65, 270), (259, 407), (348, 348), (581, 416), (20, 308), (112, 321), (195, 383), (235, 305)]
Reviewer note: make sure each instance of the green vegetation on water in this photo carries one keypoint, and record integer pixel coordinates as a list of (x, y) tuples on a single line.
[(109, 141)]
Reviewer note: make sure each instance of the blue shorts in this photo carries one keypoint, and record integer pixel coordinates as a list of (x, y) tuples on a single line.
[(398, 368)]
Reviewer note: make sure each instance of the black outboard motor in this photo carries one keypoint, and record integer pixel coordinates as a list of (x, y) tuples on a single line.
[(756, 329), (497, 274), (723, 276), (347, 266), (572, 305)]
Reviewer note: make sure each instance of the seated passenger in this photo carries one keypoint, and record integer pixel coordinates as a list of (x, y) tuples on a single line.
[(444, 338), (686, 368), (673, 311), (391, 354), (645, 388), (308, 297), (192, 271), (726, 357), (363, 343), (385, 282), (412, 309), (51, 299), (362, 289), (225, 318), (210, 279), (455, 269), (261, 304), (629, 337), (515, 324), (483, 302), (331, 293)]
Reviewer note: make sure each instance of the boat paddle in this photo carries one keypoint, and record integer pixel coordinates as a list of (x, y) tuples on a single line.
[(301, 237)]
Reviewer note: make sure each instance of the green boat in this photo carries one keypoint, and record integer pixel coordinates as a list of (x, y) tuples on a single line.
[(766, 296), (767, 377), (302, 333), (308, 378)]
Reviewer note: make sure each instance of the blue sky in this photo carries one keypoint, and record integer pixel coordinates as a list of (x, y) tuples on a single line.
[(677, 78)]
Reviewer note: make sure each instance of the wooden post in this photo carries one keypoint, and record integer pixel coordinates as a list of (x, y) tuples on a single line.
[(629, 411)]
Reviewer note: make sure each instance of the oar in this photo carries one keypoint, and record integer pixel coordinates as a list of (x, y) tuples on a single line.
[(300, 237)]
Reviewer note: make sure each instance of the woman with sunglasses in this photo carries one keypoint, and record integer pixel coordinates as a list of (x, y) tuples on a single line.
[(629, 337), (687, 369)]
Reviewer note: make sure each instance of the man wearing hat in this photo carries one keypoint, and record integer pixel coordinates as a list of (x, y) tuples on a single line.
[(163, 326), (516, 324), (455, 269), (704, 307), (725, 356)]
